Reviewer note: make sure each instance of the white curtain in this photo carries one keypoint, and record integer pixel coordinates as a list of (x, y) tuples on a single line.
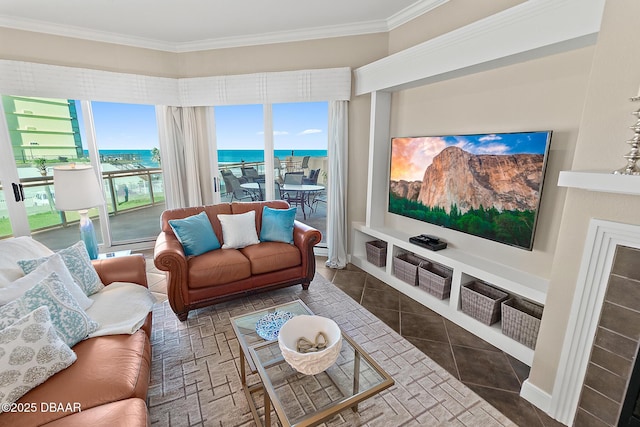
[(337, 191), (184, 149)]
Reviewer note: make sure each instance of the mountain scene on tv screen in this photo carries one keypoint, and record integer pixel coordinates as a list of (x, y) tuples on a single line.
[(494, 196)]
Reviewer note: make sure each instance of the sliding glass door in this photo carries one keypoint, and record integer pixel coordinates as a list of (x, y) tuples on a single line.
[(300, 143), (241, 151), (259, 145), (41, 133), (126, 140)]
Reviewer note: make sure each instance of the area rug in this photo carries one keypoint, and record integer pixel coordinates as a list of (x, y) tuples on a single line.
[(195, 373)]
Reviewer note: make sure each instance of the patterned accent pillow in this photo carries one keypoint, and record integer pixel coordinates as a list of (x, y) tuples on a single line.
[(71, 321), (10, 313), (30, 352), (76, 258), (53, 264)]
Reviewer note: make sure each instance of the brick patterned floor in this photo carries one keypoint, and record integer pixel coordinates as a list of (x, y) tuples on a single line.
[(195, 374)]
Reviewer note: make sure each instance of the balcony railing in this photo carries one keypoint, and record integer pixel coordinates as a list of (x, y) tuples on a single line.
[(124, 190), (135, 198)]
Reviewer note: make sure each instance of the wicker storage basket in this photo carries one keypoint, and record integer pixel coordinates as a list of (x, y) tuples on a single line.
[(521, 320), (405, 267), (435, 279), (482, 302), (377, 252)]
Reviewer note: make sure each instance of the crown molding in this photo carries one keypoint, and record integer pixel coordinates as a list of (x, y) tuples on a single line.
[(355, 29), (412, 12), (80, 33)]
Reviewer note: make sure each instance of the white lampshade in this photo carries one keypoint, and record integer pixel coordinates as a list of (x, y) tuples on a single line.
[(76, 188)]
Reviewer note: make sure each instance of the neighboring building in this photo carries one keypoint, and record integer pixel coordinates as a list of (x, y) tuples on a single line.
[(42, 128)]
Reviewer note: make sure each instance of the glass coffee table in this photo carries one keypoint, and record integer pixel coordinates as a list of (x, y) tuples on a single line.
[(298, 399)]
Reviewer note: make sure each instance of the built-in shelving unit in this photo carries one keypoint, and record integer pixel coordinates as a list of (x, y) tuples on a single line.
[(466, 268), (569, 24)]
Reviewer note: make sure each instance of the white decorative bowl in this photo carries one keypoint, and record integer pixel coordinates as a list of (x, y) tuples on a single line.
[(308, 327)]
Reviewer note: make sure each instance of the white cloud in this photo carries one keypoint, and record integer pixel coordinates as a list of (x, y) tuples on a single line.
[(492, 137), (310, 131), (492, 149)]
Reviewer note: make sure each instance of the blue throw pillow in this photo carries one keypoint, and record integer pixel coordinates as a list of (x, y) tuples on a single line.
[(277, 225), (195, 233)]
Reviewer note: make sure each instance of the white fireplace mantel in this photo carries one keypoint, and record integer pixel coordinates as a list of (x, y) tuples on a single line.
[(603, 181)]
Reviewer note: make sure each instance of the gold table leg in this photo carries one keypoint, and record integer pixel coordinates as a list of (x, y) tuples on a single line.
[(267, 409)]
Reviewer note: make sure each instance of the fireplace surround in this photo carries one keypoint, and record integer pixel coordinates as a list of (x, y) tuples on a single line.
[(603, 332), (615, 346)]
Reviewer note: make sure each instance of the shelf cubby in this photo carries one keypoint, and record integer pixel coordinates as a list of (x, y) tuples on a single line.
[(465, 267)]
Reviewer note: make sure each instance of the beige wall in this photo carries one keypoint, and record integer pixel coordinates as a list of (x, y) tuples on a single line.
[(542, 94), (55, 50), (451, 15), (326, 53), (604, 128)]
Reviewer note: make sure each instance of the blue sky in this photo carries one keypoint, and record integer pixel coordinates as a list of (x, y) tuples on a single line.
[(133, 126), (500, 143), (411, 156), (295, 126), (122, 126)]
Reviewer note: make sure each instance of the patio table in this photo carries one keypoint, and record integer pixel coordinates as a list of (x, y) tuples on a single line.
[(304, 190)]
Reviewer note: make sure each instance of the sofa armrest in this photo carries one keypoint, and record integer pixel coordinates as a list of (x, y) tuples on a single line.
[(168, 255), (131, 268), (305, 238)]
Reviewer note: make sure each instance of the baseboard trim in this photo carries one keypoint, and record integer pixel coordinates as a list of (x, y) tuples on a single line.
[(536, 396)]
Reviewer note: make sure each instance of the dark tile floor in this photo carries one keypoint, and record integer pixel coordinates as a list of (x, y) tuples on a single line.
[(491, 373)]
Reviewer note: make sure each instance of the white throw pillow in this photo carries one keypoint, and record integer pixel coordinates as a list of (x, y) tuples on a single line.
[(17, 248), (239, 230), (31, 352), (53, 264)]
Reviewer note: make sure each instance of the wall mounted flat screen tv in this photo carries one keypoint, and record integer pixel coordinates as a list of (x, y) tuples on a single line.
[(487, 185)]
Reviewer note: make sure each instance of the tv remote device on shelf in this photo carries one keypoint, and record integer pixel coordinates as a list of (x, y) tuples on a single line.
[(428, 241)]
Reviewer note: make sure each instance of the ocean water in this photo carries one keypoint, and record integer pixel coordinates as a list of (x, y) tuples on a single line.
[(237, 156), (143, 157)]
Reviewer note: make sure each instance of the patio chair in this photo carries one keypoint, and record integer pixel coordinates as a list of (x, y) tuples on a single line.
[(318, 199), (294, 198), (305, 163), (263, 190), (227, 172), (294, 178), (232, 184), (277, 165), (312, 178), (251, 174)]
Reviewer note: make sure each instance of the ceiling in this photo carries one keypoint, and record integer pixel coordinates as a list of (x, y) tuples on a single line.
[(190, 25)]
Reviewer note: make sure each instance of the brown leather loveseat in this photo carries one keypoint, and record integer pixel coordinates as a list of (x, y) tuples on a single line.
[(107, 385), (220, 274)]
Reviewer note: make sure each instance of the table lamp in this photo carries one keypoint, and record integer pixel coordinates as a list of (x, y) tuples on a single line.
[(77, 189)]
